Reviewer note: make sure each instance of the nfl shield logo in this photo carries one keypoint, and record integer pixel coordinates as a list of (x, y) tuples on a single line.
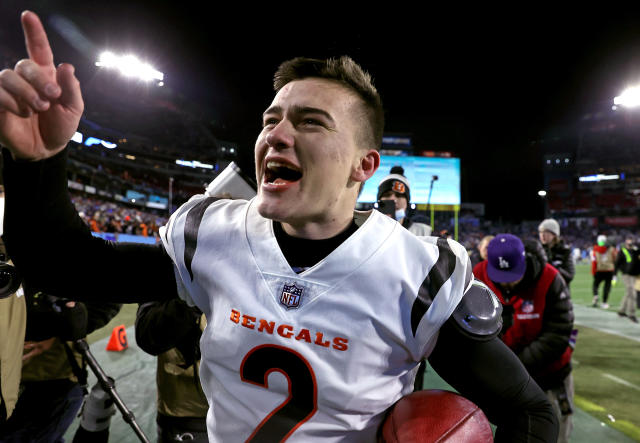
[(291, 295), (527, 307)]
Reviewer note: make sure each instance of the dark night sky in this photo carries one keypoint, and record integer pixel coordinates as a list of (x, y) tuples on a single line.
[(479, 83)]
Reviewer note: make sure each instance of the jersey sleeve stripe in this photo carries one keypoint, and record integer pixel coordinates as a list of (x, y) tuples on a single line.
[(167, 230), (468, 279), (191, 227), (438, 275)]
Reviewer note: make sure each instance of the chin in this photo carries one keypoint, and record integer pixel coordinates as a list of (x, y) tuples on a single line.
[(268, 208)]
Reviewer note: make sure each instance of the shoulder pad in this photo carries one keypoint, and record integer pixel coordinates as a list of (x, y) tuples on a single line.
[(479, 313)]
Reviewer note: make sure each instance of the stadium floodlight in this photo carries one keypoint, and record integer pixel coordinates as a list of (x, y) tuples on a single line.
[(194, 164), (600, 177), (130, 66), (630, 98), (542, 193), (90, 141)]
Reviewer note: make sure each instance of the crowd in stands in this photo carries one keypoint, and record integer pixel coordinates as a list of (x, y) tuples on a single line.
[(116, 217), (578, 236), (104, 216)]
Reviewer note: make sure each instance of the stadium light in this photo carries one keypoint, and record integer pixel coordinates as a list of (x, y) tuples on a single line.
[(194, 164), (130, 66), (600, 177), (542, 193), (630, 98)]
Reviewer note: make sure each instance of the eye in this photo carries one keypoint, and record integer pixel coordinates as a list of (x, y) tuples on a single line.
[(312, 121), (269, 121)]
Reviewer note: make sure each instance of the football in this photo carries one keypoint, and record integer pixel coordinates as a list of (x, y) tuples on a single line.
[(435, 416)]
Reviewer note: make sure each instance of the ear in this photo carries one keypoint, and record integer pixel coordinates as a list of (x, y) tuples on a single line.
[(367, 166)]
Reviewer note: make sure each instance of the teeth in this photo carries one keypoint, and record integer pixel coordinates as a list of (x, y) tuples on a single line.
[(275, 165)]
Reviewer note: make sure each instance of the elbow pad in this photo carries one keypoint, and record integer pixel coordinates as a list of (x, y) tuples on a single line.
[(479, 313)]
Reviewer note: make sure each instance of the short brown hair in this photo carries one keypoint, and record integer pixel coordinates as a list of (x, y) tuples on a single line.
[(348, 73)]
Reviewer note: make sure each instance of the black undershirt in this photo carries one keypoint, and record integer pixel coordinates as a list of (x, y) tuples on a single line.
[(303, 253)]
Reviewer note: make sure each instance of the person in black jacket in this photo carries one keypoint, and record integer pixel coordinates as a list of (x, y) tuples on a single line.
[(171, 330), (537, 317), (558, 253)]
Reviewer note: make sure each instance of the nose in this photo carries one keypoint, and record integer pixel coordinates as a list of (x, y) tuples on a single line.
[(281, 136)]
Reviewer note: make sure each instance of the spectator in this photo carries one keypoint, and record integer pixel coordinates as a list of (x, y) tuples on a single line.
[(537, 318), (603, 258), (480, 252), (558, 253), (395, 187), (628, 262)]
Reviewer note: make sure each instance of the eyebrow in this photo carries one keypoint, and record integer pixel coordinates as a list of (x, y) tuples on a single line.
[(298, 109)]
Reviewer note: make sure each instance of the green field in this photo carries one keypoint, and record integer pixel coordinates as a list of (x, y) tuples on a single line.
[(606, 366)]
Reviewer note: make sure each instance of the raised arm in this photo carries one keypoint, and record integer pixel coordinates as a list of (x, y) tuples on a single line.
[(40, 105)]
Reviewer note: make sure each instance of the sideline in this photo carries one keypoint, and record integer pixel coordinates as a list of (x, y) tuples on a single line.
[(606, 321)]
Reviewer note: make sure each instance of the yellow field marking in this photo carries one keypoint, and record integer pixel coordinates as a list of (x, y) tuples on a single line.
[(624, 426), (586, 405)]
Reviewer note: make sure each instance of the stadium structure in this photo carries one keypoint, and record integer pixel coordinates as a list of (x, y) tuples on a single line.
[(592, 170), (140, 152)]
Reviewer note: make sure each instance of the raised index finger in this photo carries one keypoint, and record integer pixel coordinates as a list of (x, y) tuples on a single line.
[(36, 39)]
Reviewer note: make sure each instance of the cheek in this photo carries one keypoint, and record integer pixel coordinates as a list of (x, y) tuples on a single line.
[(260, 147)]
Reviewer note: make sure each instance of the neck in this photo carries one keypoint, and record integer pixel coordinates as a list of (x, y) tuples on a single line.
[(319, 230)]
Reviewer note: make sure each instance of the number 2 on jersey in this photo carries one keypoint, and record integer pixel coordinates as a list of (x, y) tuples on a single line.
[(302, 401)]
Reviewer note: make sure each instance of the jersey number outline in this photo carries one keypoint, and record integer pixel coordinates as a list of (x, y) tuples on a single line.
[(302, 402)]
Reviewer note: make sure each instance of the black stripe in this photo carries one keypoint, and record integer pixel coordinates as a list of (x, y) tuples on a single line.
[(191, 227), (166, 231), (438, 275), (469, 274)]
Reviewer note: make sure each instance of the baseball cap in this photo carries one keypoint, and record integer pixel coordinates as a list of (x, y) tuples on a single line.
[(506, 260), (550, 225), (396, 182)]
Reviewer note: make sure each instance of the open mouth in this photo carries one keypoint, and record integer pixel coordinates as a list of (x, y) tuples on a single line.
[(280, 173)]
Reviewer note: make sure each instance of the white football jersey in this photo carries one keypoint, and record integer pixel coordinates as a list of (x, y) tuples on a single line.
[(315, 356)]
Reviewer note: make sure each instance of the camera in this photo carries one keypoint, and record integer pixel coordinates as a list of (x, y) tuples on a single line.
[(49, 316), (387, 207), (10, 279)]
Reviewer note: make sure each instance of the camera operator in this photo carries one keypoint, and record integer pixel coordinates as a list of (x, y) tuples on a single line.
[(13, 320), (171, 330), (53, 379)]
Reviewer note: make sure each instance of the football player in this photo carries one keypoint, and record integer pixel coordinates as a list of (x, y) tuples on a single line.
[(317, 316)]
